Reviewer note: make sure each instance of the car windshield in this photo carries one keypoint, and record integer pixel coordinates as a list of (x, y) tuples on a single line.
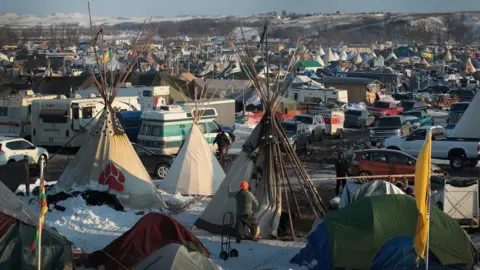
[(353, 112), (389, 122), (459, 107), (304, 119), (407, 105), (416, 114), (382, 105), (289, 127)]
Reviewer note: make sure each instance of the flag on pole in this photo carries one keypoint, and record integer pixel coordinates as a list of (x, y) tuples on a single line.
[(422, 196), (43, 211)]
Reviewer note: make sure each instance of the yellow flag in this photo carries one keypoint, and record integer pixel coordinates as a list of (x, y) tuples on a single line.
[(422, 194)]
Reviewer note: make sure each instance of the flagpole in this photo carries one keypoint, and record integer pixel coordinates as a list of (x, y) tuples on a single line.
[(40, 225)]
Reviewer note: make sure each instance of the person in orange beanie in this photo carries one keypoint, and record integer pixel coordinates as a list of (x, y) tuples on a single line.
[(244, 199)]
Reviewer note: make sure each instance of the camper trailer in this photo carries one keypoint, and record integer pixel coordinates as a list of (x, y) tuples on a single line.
[(312, 96), (164, 131), (224, 106), (15, 113), (150, 98), (65, 122)]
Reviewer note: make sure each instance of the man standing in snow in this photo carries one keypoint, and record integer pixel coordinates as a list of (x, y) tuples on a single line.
[(341, 167), (244, 199)]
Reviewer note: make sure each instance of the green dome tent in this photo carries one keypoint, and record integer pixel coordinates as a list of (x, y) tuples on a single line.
[(363, 235)]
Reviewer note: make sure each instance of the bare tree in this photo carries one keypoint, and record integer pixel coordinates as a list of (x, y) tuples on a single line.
[(8, 36), (38, 31), (53, 34)]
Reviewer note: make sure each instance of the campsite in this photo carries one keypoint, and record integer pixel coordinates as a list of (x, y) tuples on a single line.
[(272, 141)]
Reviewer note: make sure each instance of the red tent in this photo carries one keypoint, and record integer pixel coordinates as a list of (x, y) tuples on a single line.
[(151, 233)]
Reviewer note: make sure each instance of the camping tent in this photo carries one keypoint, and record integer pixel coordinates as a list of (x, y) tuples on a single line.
[(321, 52), (107, 160), (176, 257), (196, 169), (150, 234), (354, 191), (358, 59), (17, 230), (464, 128), (327, 58), (261, 163), (343, 56), (377, 233)]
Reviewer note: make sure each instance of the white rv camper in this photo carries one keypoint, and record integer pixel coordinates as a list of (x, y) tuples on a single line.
[(149, 97), (315, 95), (15, 112), (65, 122)]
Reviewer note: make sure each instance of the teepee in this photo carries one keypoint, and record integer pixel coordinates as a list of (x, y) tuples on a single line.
[(343, 56), (196, 170), (321, 52), (358, 59), (107, 159), (263, 164), (319, 60), (465, 129), (327, 58)]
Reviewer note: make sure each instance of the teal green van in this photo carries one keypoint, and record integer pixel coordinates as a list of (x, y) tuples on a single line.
[(164, 131)]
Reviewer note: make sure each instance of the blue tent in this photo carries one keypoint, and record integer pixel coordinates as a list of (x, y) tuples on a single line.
[(131, 123)]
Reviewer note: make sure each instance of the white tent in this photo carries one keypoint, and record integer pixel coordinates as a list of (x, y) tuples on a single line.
[(391, 56), (335, 56), (175, 257), (372, 55), (107, 159), (195, 169), (319, 60), (321, 52), (354, 191), (466, 127), (469, 67), (327, 58), (343, 56), (358, 59)]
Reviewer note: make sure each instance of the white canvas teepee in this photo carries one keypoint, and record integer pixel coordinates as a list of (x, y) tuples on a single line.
[(321, 52), (466, 127), (195, 169), (327, 58), (358, 59), (319, 60), (343, 56), (107, 160)]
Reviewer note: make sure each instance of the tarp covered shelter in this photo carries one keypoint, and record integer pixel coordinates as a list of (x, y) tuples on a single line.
[(377, 232), (354, 191), (151, 233), (17, 231)]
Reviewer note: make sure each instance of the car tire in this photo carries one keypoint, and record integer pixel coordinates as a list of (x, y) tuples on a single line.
[(10, 161), (472, 163), (364, 180), (457, 162), (161, 170)]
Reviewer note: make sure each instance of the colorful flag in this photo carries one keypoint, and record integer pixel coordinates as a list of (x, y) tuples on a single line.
[(422, 196), (43, 211)]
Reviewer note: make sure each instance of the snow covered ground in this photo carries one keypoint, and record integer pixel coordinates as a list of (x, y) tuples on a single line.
[(93, 227)]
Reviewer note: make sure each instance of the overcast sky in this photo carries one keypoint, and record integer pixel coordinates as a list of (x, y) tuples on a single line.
[(170, 8)]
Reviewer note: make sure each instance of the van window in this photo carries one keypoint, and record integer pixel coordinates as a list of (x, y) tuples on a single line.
[(147, 93), (145, 130), (156, 131), (202, 127), (212, 127), (87, 113)]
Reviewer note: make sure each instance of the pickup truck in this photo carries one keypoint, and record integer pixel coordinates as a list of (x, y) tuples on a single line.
[(314, 123), (384, 108), (461, 153), (388, 126)]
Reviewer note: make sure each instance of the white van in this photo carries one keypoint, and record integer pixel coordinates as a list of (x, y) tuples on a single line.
[(164, 131)]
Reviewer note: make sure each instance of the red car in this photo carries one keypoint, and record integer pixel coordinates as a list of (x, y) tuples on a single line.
[(384, 108), (384, 162)]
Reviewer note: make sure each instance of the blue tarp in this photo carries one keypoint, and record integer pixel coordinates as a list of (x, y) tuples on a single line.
[(131, 123), (396, 253)]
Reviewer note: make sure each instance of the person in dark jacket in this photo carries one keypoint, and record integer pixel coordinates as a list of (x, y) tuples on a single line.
[(341, 167), (223, 143), (244, 200)]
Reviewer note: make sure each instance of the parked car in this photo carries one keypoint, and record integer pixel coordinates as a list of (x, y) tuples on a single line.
[(410, 105), (434, 89), (384, 108), (298, 134), (384, 162), (14, 149), (156, 165), (456, 111), (388, 126), (463, 95), (314, 123), (423, 118), (460, 152), (358, 118)]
